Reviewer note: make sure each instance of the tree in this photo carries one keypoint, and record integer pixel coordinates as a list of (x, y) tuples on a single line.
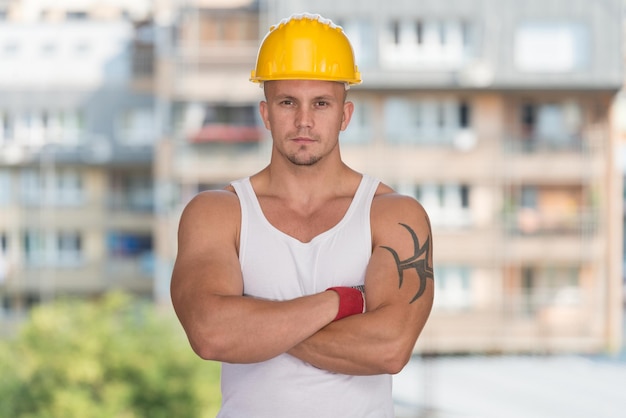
[(115, 357)]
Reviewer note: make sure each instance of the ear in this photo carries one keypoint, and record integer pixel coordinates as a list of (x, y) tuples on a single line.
[(264, 112), (348, 109)]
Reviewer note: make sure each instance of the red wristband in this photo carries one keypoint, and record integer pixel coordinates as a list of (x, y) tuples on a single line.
[(350, 301)]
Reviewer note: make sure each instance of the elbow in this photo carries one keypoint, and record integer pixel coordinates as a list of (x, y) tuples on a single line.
[(207, 348), (206, 343), (397, 358), (202, 351), (396, 365)]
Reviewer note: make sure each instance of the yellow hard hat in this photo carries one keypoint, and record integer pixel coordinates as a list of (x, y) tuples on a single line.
[(306, 47)]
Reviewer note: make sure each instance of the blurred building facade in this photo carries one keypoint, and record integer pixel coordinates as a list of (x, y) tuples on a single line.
[(495, 114), (76, 150)]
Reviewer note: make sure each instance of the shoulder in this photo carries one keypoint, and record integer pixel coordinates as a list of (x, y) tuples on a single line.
[(212, 201), (214, 209), (392, 211), (388, 203)]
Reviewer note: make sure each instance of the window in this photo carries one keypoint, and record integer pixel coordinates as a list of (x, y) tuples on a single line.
[(5, 187), (441, 116), (130, 249), (38, 126), (550, 126), (552, 286), (34, 247), (233, 115), (53, 248), (424, 44), (466, 34), (419, 32), (464, 190), (31, 187), (452, 287), (528, 197), (409, 189), (122, 244), (4, 242), (72, 125), (528, 118), (69, 187), (137, 126), (76, 15), (551, 47), (397, 120), (4, 268), (34, 128), (551, 210), (55, 187), (131, 192), (362, 36), (442, 32), (68, 248), (359, 130), (6, 126), (395, 29), (219, 123), (425, 121), (448, 205), (464, 115)]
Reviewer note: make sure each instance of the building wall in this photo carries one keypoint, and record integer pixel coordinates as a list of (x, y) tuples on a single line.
[(495, 115), (75, 155)]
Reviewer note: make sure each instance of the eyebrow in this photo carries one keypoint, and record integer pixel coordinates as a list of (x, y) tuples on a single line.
[(324, 97)]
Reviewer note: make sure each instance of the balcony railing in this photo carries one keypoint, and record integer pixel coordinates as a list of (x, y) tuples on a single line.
[(197, 56), (538, 144), (225, 133), (527, 221)]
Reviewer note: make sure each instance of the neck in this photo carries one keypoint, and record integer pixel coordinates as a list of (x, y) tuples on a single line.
[(306, 185)]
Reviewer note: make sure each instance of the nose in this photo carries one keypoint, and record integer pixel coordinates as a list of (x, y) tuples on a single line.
[(304, 118)]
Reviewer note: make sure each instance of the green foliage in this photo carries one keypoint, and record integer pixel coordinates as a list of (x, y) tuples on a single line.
[(113, 358)]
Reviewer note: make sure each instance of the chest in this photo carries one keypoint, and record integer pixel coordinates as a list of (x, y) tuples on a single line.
[(304, 223)]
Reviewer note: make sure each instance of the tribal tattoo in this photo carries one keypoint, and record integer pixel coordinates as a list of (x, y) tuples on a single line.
[(421, 266)]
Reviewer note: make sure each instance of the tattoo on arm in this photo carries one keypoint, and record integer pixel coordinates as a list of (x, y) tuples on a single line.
[(421, 265)]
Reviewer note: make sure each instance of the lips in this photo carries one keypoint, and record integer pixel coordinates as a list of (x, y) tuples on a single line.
[(303, 140)]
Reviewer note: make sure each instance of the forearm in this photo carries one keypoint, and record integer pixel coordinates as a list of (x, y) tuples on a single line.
[(240, 329), (364, 344)]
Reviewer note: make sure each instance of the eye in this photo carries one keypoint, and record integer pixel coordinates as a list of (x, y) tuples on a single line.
[(286, 102), (321, 103)]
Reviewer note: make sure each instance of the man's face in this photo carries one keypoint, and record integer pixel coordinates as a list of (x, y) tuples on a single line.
[(305, 117)]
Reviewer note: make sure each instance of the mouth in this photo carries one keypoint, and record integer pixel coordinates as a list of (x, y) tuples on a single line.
[(303, 140)]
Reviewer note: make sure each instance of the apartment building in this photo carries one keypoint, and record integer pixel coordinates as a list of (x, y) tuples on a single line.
[(76, 150), (495, 114), (211, 129)]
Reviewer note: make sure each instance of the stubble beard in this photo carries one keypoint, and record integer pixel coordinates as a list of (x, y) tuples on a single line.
[(303, 157), (310, 160)]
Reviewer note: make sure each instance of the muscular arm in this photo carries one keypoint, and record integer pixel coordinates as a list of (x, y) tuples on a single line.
[(207, 291), (399, 292)]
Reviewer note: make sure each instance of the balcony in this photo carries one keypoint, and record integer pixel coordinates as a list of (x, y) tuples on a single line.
[(225, 133), (546, 222)]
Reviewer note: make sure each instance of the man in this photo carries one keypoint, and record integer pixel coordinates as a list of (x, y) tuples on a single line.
[(269, 271)]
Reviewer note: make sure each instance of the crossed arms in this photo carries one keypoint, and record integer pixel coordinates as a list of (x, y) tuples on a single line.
[(223, 325)]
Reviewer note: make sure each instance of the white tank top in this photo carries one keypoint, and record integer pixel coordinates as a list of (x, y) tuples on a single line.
[(279, 267)]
